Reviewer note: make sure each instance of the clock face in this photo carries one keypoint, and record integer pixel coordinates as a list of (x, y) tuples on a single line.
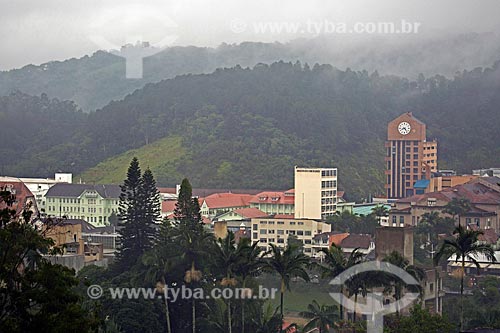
[(404, 128)]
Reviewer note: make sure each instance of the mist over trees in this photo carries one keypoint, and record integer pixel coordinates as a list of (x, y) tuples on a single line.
[(247, 128), (93, 81)]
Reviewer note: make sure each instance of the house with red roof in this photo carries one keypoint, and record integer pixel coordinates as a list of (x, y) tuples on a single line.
[(483, 194), (219, 203), (23, 196), (273, 203)]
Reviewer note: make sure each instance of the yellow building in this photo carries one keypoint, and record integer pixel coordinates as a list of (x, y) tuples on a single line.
[(277, 230), (315, 192)]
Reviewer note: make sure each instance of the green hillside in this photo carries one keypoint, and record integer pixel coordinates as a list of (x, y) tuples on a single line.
[(159, 156)]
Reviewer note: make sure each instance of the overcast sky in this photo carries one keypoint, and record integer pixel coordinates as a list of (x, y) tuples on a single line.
[(36, 31)]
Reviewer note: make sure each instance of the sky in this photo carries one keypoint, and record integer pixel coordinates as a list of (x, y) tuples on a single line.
[(35, 31)]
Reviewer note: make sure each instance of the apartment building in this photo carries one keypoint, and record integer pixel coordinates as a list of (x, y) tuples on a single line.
[(92, 203), (277, 230), (274, 202), (315, 193)]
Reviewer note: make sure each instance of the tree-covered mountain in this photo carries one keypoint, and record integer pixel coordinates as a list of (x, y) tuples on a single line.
[(93, 81), (247, 128)]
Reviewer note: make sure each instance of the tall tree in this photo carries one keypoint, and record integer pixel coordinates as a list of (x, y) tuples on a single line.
[(395, 283), (465, 247), (335, 262), (137, 214), (287, 263), (250, 265), (191, 237)]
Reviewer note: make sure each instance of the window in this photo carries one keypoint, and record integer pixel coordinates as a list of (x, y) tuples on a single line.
[(281, 241), (308, 233), (300, 233), (394, 219), (263, 222), (292, 223), (254, 235), (307, 241), (255, 227), (281, 232), (401, 219), (270, 231), (263, 231), (300, 223)]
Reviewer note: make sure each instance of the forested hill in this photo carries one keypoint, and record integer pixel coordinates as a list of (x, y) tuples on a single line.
[(93, 81), (247, 128)]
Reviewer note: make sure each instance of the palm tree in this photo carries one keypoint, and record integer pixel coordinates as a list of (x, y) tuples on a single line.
[(457, 207), (250, 266), (321, 317), (159, 262), (464, 246), (227, 256), (193, 243), (380, 211), (336, 263), (268, 320), (287, 264), (395, 283)]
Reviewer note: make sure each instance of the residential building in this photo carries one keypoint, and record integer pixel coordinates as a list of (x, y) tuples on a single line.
[(277, 230), (241, 214), (274, 202), (219, 203), (69, 235), (92, 203), (23, 197), (483, 194), (410, 157), (40, 186), (315, 192)]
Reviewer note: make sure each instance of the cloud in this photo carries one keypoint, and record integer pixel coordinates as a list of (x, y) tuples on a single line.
[(33, 31)]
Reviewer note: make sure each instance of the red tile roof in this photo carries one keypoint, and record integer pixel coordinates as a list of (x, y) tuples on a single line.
[(168, 206), (224, 200), (475, 192), (22, 193), (278, 198), (250, 213), (284, 216), (356, 240)]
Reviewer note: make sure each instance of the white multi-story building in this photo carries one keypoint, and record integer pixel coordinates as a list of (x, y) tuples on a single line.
[(315, 192), (277, 230), (40, 186)]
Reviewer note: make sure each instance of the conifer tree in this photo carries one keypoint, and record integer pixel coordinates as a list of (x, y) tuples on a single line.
[(137, 213)]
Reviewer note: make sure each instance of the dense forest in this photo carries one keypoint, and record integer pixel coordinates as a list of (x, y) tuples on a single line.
[(247, 128), (93, 81)]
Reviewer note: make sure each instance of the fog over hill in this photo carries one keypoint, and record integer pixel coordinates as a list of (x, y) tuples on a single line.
[(93, 81)]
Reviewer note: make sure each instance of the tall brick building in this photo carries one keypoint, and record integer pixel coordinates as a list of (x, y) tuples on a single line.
[(409, 158)]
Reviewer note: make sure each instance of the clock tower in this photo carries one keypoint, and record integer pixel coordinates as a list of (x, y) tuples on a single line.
[(409, 156)]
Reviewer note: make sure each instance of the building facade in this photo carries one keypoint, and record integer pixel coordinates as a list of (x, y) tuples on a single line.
[(315, 192), (277, 230), (409, 158), (92, 203), (274, 202)]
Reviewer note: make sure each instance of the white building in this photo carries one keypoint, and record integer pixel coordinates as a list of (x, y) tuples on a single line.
[(315, 192), (40, 186)]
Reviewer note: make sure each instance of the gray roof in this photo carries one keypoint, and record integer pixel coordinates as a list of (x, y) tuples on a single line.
[(75, 190)]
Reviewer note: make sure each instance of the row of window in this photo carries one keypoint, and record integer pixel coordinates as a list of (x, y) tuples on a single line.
[(328, 193), (79, 209), (329, 173), (282, 232), (279, 222), (329, 184), (77, 201)]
